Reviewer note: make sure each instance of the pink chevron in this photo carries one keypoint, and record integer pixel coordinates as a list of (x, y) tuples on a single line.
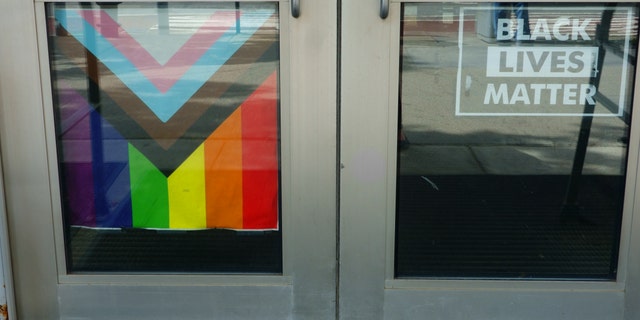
[(163, 76)]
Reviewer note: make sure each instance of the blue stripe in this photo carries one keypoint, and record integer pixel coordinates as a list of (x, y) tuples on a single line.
[(163, 105), (111, 181)]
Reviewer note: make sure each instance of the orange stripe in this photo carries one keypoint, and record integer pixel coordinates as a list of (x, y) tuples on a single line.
[(223, 170)]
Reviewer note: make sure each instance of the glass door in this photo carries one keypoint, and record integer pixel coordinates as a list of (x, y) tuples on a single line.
[(489, 159), (214, 159), (169, 157)]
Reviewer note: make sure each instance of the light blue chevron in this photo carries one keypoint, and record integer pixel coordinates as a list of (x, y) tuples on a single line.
[(163, 105)]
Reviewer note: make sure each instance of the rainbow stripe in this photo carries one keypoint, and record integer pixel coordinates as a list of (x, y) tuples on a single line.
[(229, 181), (121, 168)]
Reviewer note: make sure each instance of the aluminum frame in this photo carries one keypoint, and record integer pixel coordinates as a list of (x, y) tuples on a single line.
[(376, 42), (43, 288)]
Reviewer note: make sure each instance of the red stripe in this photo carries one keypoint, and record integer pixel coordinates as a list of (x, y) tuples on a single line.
[(260, 157)]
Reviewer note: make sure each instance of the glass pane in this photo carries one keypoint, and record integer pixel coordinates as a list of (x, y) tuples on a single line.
[(513, 135), (167, 119)]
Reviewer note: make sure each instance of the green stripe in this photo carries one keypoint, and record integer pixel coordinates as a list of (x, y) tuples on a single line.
[(149, 192)]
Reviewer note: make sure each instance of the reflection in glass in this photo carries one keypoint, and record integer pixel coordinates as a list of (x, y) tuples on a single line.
[(167, 135), (513, 137)]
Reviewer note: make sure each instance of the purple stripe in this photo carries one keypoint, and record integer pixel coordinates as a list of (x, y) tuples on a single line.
[(95, 167), (77, 172), (78, 191), (74, 113)]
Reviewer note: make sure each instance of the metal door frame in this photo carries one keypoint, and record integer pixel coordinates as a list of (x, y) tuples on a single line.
[(367, 206), (43, 288)]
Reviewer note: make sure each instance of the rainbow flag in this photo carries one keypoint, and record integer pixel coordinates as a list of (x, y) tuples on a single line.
[(190, 142)]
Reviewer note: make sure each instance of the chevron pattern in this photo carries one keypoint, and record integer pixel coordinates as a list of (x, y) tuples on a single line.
[(186, 143)]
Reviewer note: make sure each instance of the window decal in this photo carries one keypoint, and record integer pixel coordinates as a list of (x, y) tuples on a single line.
[(186, 142)]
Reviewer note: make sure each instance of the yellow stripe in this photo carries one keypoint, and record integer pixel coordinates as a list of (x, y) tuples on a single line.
[(187, 206)]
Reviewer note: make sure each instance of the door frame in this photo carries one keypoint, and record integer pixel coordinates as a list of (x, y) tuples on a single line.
[(367, 206), (367, 289), (44, 290)]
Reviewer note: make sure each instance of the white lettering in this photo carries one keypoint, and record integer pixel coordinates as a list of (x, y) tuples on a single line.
[(563, 29), (504, 29), (587, 91), (537, 90), (580, 29), (541, 29), (520, 95), (572, 94), (496, 97), (553, 92), (556, 29), (520, 33), (541, 62)]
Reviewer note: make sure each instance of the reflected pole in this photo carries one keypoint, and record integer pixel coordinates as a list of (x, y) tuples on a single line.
[(571, 208)]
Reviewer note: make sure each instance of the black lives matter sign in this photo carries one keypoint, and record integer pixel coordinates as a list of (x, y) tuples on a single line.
[(547, 72)]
